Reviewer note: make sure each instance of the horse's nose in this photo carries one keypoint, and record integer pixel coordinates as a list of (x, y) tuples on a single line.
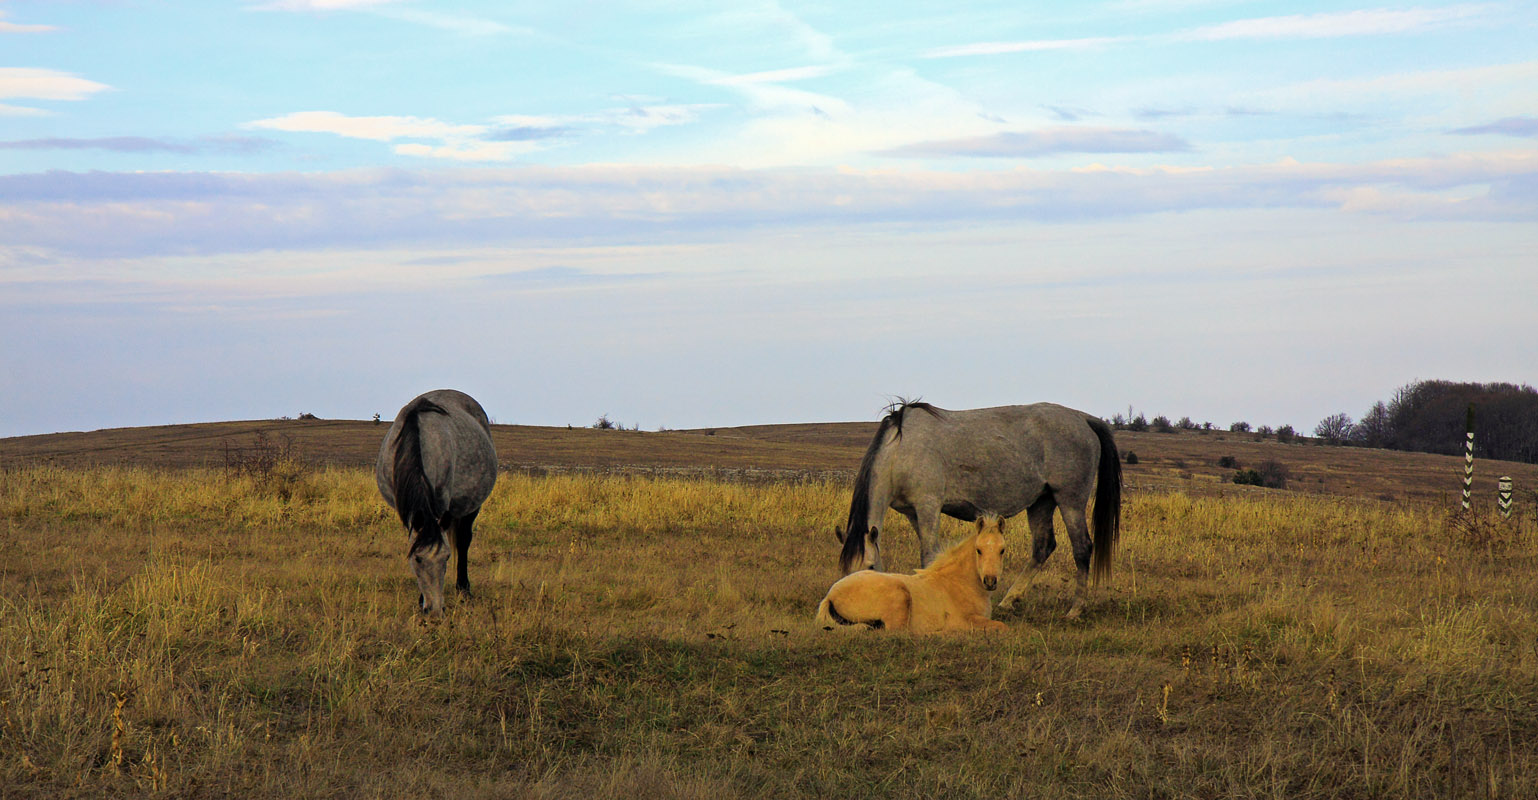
[(990, 582)]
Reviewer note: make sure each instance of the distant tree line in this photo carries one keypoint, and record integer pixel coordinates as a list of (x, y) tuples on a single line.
[(1423, 416), (1429, 417)]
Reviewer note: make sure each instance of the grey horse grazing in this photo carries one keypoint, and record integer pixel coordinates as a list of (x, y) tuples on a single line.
[(436, 466), (926, 461)]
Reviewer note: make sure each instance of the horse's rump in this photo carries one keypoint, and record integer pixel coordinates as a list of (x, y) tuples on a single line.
[(877, 599)]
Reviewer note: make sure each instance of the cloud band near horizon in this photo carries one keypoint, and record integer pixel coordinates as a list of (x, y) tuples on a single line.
[(143, 214)]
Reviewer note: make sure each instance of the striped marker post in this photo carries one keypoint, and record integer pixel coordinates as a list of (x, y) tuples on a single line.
[(1468, 458), (1503, 500)]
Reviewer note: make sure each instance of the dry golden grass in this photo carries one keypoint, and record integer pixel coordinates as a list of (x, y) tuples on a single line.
[(175, 634)]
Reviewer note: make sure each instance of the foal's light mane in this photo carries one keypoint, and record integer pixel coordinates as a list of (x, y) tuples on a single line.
[(954, 557)]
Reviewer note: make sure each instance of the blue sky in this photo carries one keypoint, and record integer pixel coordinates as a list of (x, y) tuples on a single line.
[(695, 214)]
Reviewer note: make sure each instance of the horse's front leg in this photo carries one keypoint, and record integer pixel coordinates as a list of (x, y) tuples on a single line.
[(1043, 542), (926, 523)]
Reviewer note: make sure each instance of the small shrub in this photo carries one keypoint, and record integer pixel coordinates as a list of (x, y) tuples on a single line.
[(1239, 427), (1273, 474), (274, 468), (376, 417), (1131, 457), (1247, 477), (1161, 424), (1139, 424), (1286, 434), (1228, 462), (603, 423), (1187, 424)]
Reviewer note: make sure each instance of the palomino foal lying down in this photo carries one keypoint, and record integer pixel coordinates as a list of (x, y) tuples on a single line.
[(950, 594)]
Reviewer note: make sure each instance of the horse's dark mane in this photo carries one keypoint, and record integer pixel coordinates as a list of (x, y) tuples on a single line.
[(415, 499), (859, 507)]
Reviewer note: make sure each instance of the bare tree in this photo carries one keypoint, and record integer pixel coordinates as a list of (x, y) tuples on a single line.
[(1335, 429)]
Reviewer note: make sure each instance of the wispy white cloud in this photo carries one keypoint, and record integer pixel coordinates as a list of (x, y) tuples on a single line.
[(453, 23), (1028, 46), (1326, 25), (1330, 25), (16, 27), (46, 84), (502, 139), (398, 10), (28, 83), (379, 129), (1048, 141)]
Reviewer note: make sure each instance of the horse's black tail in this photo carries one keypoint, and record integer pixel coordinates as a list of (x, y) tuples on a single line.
[(415, 499), (1107, 515)]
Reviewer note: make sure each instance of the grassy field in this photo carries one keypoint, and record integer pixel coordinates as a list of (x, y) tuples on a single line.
[(1184, 461), (181, 633)]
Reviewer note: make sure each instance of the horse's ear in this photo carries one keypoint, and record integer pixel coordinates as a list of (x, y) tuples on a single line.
[(838, 533), (1001, 524), (874, 532)]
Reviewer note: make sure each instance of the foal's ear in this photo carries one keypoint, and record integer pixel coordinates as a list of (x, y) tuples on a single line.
[(838, 533)]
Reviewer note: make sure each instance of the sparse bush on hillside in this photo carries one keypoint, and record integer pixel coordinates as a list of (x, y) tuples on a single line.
[(1239, 427), (1271, 474), (1228, 462), (1264, 431), (1187, 424), (274, 467), (1131, 457), (1139, 424), (1286, 434), (603, 423), (1161, 424), (1118, 421)]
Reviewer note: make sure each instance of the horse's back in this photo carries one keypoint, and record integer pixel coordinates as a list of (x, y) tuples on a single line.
[(457, 454), (998, 459)]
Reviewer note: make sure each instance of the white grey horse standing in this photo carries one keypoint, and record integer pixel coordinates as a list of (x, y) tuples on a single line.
[(926, 461), (436, 467)]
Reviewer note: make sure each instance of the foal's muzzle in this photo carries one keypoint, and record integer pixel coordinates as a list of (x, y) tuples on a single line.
[(990, 582)]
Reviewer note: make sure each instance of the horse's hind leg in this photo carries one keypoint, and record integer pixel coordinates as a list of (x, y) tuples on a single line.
[(1075, 520), (464, 530), (1043, 542)]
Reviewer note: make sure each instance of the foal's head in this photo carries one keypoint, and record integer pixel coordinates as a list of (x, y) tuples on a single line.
[(989, 544)]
